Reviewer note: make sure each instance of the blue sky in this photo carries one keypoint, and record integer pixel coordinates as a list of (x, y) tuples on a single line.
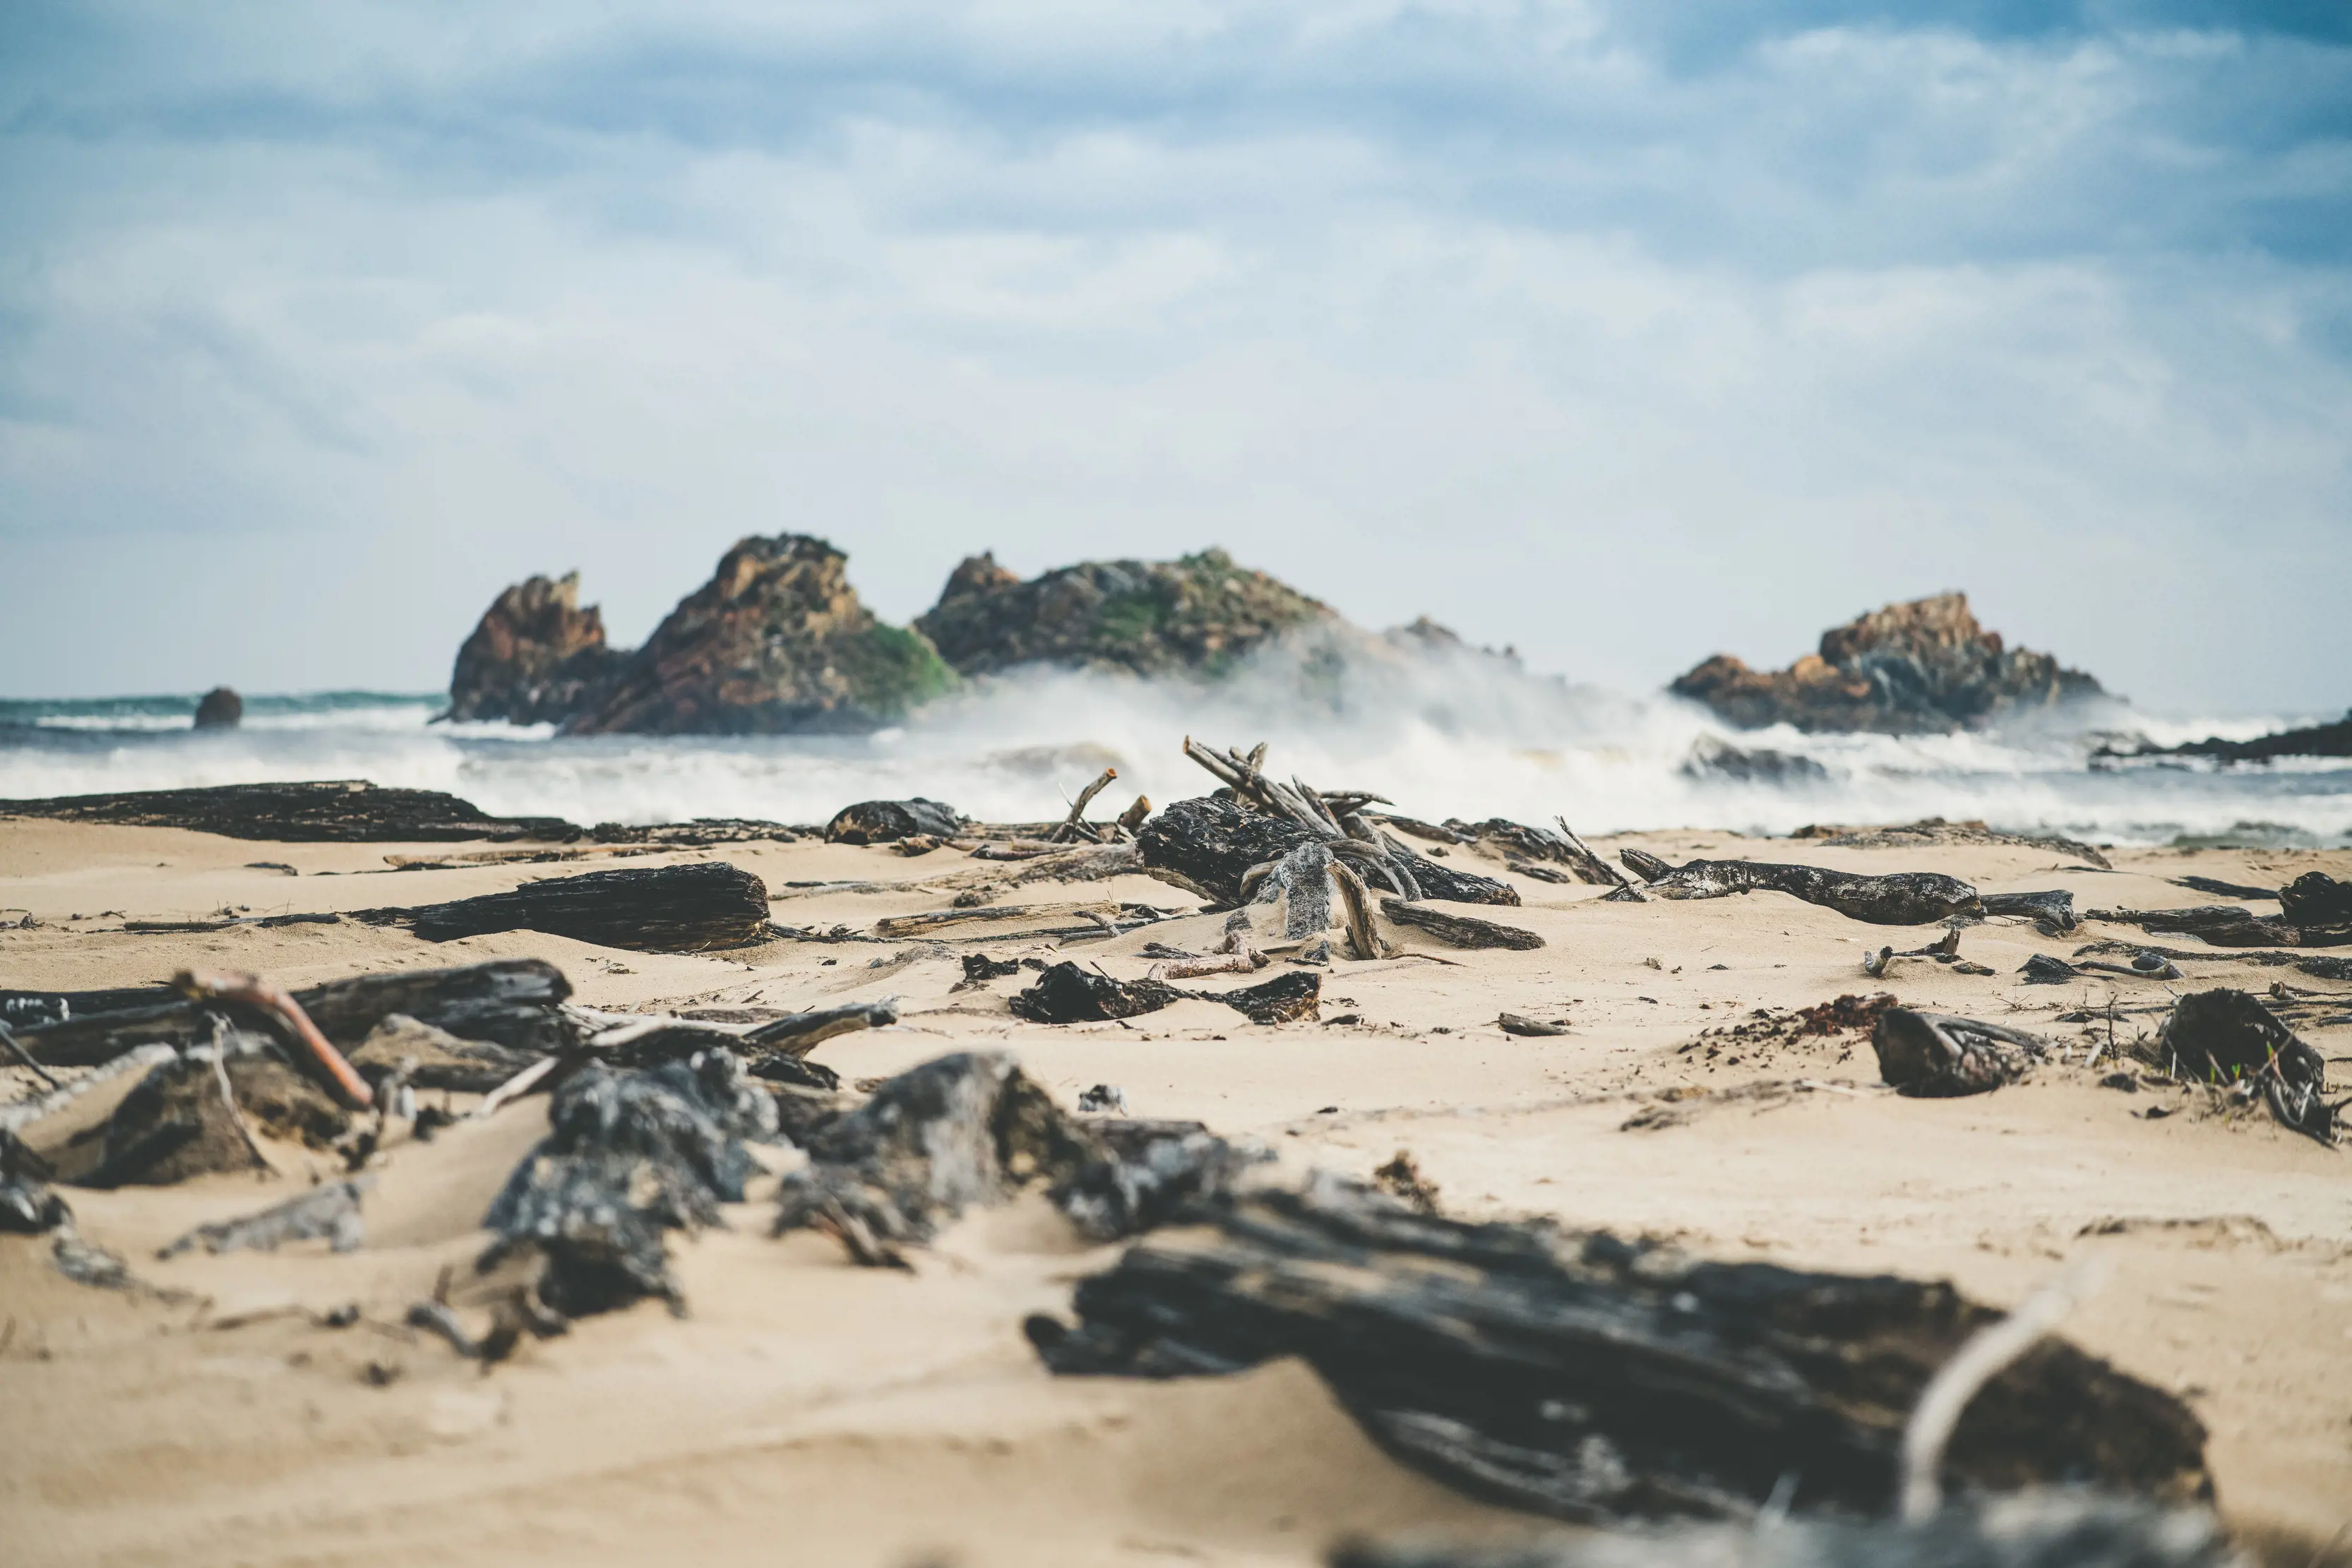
[(1622, 333)]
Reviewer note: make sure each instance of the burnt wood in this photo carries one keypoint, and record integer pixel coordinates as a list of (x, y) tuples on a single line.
[(1591, 1378), (653, 909)]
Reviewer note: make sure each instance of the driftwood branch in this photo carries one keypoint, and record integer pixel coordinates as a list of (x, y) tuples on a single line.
[(253, 991), (1074, 826), (1459, 930)]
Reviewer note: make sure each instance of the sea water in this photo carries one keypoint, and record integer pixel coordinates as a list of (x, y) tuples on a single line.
[(1472, 737)]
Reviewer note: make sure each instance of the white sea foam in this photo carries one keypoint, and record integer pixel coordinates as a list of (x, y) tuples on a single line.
[(1459, 734)]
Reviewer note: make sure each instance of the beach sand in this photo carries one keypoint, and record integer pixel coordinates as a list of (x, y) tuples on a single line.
[(806, 1410)]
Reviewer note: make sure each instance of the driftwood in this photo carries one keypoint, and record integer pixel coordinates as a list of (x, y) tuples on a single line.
[(797, 1034), (330, 1212), (1066, 993), (2226, 1035), (1516, 1023), (1938, 1056), (898, 926), (655, 909), (347, 812), (1074, 826), (252, 992), (513, 1002), (2053, 913), (1904, 898), (2050, 1528), (1364, 938), (887, 821), (2222, 925), (969, 1130), (1210, 846), (1582, 1376), (630, 1155), (1459, 930)]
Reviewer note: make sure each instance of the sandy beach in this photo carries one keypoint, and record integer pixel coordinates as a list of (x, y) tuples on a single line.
[(807, 1410)]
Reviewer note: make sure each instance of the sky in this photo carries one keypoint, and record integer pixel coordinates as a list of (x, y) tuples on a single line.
[(1622, 333)]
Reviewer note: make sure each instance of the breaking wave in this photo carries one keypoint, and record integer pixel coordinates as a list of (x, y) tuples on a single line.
[(1450, 733)]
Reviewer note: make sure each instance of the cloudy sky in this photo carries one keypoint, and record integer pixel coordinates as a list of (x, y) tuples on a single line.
[(1621, 331)]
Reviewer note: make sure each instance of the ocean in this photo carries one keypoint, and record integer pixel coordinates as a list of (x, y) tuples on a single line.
[(1474, 737)]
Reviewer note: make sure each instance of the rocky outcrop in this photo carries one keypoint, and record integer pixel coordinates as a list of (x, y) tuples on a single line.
[(1194, 614), (2316, 741), (1908, 669), (775, 642), (535, 658)]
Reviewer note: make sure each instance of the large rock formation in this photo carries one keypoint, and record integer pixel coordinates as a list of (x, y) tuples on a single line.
[(1907, 669), (536, 657), (775, 642), (1152, 618)]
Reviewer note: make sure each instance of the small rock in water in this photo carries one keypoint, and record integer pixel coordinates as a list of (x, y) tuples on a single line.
[(221, 708)]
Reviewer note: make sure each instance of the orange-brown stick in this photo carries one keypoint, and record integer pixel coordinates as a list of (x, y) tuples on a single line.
[(255, 992)]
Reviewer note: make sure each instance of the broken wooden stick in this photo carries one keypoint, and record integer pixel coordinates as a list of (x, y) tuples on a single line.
[(799, 1033), (1074, 826), (514, 1088), (257, 992), (897, 926)]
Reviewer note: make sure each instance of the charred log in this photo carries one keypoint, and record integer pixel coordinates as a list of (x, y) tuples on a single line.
[(1459, 930), (512, 1002), (657, 909), (1585, 1377), (1904, 898)]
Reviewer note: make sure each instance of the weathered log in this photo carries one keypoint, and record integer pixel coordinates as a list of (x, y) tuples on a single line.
[(2052, 1529), (2222, 925), (1929, 831), (629, 1157), (1938, 1056), (1459, 930), (797, 1034), (1582, 1376), (2226, 1035), (512, 1002), (1904, 898), (1435, 879), (1364, 938), (31, 1009), (657, 909), (347, 812), (1515, 1023), (330, 1212), (895, 926), (886, 821), (2053, 913)]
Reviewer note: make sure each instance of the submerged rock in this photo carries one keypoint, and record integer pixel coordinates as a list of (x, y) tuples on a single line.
[(1195, 614), (1907, 669), (536, 657)]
